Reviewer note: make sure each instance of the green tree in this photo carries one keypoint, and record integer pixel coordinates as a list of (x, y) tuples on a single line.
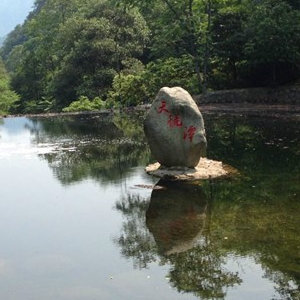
[(74, 49), (272, 47), (66, 50), (7, 96), (33, 61), (93, 49), (180, 28), (14, 38), (228, 40), (133, 88)]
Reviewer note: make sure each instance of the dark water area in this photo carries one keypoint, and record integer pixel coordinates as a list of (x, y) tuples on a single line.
[(80, 218)]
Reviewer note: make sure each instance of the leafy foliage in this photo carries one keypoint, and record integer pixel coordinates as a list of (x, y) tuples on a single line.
[(7, 96), (71, 49), (84, 104), (272, 44)]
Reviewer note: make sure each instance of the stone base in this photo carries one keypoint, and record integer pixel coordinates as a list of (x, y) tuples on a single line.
[(206, 169)]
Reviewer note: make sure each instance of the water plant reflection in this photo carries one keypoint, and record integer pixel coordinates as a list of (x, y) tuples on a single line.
[(99, 147), (176, 219), (196, 229), (248, 225)]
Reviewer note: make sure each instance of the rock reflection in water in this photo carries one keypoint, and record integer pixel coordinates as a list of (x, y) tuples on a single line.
[(176, 215), (171, 229)]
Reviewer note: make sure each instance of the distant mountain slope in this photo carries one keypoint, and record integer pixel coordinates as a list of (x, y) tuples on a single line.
[(2, 39)]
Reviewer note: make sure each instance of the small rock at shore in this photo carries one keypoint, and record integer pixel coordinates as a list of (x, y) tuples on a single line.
[(206, 169)]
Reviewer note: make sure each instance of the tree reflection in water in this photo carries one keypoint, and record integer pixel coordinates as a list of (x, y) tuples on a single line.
[(171, 228), (135, 240), (100, 147), (194, 229)]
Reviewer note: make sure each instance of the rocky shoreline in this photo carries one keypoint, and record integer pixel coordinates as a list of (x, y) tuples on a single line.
[(272, 110), (276, 95), (206, 169), (287, 110)]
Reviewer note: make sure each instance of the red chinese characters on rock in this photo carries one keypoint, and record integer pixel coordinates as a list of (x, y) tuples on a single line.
[(162, 108), (189, 133), (175, 121)]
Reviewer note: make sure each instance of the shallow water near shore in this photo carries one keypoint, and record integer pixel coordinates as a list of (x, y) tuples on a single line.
[(80, 218)]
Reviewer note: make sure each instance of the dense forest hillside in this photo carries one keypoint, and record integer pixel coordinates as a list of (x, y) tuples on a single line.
[(2, 39), (88, 54), (8, 98)]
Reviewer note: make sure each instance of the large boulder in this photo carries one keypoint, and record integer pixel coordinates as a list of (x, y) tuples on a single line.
[(175, 129)]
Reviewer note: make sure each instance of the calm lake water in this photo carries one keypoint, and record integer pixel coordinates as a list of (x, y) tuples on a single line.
[(80, 219)]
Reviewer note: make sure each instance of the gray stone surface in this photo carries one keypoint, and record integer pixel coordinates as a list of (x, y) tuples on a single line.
[(175, 129)]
